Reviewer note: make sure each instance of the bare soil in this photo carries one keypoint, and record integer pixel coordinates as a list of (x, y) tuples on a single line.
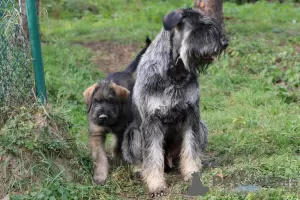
[(110, 56)]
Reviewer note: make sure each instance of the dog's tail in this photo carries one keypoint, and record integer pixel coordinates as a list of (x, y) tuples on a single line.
[(133, 65)]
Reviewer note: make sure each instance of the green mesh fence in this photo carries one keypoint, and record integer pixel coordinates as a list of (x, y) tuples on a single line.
[(16, 81)]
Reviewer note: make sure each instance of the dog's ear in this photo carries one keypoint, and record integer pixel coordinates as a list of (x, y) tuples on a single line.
[(88, 93), (172, 19), (120, 91)]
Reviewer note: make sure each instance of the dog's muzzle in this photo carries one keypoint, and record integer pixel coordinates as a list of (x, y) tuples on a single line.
[(224, 43)]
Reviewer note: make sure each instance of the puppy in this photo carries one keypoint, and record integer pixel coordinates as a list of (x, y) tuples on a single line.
[(109, 111)]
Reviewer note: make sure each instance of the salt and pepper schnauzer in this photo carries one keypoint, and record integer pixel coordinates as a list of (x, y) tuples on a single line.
[(166, 97), (109, 111)]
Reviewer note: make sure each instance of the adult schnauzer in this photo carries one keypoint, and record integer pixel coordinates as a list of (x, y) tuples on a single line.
[(109, 111), (166, 97)]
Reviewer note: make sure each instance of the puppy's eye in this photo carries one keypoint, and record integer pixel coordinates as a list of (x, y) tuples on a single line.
[(110, 100), (98, 100)]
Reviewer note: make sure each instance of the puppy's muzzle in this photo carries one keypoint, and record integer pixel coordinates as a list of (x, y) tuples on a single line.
[(103, 118)]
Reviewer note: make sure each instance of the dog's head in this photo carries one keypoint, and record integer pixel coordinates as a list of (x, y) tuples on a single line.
[(105, 100), (196, 39)]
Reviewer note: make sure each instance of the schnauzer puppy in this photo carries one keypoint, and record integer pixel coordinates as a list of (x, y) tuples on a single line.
[(166, 97), (109, 111)]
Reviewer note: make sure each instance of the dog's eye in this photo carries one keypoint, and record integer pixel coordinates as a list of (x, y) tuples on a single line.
[(179, 25)]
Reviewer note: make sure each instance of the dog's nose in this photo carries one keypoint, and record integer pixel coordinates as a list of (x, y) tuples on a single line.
[(103, 117), (224, 43)]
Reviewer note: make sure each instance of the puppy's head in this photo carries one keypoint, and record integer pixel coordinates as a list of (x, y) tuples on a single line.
[(105, 99)]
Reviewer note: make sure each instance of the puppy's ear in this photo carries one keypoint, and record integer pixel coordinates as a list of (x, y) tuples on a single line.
[(88, 93), (172, 19), (120, 91)]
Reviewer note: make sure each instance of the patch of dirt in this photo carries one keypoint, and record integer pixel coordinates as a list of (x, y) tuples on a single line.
[(13, 169), (232, 19), (297, 48), (112, 56)]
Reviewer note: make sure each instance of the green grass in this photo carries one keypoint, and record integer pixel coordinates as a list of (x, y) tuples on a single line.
[(249, 99)]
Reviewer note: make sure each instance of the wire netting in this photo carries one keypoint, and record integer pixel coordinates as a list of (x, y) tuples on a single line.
[(16, 80)]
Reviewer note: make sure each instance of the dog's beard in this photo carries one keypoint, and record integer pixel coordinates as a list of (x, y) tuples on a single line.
[(202, 66), (194, 63), (200, 59)]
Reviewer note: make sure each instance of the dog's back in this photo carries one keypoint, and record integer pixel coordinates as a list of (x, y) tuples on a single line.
[(123, 79)]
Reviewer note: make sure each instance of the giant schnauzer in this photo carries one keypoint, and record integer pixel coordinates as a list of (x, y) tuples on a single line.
[(166, 97)]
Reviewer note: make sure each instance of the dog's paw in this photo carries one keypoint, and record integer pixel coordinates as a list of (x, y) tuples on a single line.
[(158, 193), (137, 175), (137, 172), (188, 177), (100, 179)]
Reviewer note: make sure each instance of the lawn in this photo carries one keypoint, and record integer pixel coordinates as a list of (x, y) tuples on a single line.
[(249, 99)]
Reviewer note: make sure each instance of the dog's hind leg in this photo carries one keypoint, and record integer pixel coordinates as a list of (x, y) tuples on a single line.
[(132, 148), (203, 135), (153, 157), (132, 144)]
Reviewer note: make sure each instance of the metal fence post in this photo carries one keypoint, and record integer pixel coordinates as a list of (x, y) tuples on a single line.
[(36, 50)]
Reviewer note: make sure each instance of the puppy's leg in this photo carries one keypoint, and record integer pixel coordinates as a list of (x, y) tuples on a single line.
[(97, 146), (190, 155), (153, 157)]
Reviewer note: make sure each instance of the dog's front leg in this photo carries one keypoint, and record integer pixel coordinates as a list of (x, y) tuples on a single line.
[(190, 155), (153, 157), (97, 147)]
